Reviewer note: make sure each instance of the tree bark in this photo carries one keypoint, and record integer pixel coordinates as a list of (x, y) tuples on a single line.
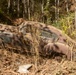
[(22, 37)]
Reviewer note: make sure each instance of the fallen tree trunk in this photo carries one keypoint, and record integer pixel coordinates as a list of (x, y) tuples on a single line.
[(22, 38), (12, 38), (57, 47), (61, 37)]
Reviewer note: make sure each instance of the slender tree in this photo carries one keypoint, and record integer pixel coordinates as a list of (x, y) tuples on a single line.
[(28, 8), (8, 6), (18, 8), (75, 16)]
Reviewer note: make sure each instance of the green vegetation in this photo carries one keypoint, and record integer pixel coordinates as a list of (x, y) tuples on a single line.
[(66, 24)]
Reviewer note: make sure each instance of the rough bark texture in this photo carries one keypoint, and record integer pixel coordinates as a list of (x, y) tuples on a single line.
[(57, 47), (21, 38)]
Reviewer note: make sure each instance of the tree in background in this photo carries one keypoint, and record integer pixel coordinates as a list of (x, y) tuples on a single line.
[(38, 10)]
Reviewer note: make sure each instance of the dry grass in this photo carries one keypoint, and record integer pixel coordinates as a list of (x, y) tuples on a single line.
[(10, 61), (34, 31)]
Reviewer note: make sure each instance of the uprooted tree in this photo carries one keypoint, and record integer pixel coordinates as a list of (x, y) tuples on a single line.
[(35, 38)]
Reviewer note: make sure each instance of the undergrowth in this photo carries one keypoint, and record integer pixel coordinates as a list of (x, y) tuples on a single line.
[(67, 25)]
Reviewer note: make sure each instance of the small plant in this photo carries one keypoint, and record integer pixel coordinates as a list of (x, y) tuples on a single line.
[(66, 24)]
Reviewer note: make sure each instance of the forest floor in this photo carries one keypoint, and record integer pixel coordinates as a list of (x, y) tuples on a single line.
[(10, 62)]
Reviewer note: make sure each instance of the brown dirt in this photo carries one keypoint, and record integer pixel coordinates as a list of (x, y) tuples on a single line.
[(10, 61)]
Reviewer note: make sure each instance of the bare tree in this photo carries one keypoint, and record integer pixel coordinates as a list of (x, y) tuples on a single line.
[(18, 8), (8, 5), (75, 15), (28, 5), (24, 8), (32, 7)]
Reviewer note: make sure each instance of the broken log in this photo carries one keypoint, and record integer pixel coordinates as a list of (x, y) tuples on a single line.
[(57, 33), (22, 36), (57, 47)]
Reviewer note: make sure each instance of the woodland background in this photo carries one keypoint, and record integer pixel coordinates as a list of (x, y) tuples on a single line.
[(59, 13), (46, 11)]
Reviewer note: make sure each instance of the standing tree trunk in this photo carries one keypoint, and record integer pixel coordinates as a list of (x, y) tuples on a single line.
[(42, 10), (32, 8), (24, 8), (58, 9), (18, 8), (75, 17), (8, 6), (28, 8)]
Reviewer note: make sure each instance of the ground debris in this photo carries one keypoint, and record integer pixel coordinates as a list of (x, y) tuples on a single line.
[(24, 68), (18, 45)]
